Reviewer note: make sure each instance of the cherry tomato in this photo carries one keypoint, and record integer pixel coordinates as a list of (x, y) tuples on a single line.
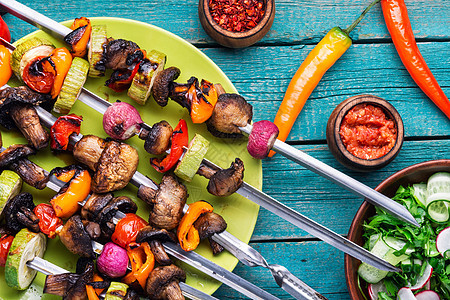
[(40, 74), (4, 31), (48, 221), (5, 244), (5, 66), (127, 229)]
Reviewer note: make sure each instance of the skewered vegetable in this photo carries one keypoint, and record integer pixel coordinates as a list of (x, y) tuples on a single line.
[(113, 261), (157, 140), (142, 263), (48, 221), (5, 65), (95, 55), (62, 129), (163, 283), (120, 80), (190, 163), (19, 214), (25, 246), (116, 291), (127, 229), (261, 139), (10, 186), (75, 237), (224, 182), (80, 36), (121, 121), (62, 61), (154, 237), (27, 120), (6, 239), (187, 234), (163, 85), (209, 224), (88, 150)]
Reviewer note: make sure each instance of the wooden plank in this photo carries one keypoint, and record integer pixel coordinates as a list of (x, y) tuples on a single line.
[(320, 200), (309, 261), (296, 21), (263, 76)]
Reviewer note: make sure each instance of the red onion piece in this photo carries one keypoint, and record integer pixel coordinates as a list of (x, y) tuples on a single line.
[(121, 121), (262, 138), (113, 261)]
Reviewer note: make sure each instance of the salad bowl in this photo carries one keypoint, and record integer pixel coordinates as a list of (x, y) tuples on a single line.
[(413, 174)]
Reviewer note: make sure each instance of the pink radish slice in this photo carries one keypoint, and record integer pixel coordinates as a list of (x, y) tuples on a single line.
[(405, 293), (424, 279), (443, 241), (375, 288), (428, 285), (427, 295)]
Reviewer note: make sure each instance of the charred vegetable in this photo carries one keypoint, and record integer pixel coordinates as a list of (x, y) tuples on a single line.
[(19, 214), (190, 163), (163, 282), (224, 182), (62, 129), (121, 121), (75, 237), (157, 140), (187, 233), (10, 186)]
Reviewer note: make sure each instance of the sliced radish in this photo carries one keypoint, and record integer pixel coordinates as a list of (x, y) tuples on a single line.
[(428, 285), (443, 241), (423, 279), (376, 288), (427, 295), (405, 293)]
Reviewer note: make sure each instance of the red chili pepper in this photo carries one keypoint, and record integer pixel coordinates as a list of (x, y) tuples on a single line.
[(127, 229), (399, 26), (5, 244), (40, 74), (48, 221), (121, 79), (62, 129), (180, 139)]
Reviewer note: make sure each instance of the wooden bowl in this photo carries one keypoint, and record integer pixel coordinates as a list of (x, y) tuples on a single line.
[(413, 174), (236, 39), (336, 145)]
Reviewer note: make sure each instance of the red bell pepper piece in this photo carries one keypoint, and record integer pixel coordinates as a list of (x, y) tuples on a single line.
[(5, 244), (180, 139), (48, 221), (121, 79), (62, 129)]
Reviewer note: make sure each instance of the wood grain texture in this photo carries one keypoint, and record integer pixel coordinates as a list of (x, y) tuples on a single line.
[(296, 21)]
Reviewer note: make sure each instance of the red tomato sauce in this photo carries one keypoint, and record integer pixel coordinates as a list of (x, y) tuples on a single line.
[(367, 133)]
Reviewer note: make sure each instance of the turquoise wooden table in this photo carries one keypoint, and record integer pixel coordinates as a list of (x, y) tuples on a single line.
[(261, 74)]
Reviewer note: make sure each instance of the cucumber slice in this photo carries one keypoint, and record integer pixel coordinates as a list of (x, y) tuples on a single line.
[(27, 51), (116, 291), (420, 192), (142, 83), (10, 186), (26, 246), (74, 81), (381, 249), (438, 189), (189, 164), (95, 54)]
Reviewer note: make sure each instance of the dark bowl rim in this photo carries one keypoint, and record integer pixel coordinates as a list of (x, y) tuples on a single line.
[(360, 216), (239, 35)]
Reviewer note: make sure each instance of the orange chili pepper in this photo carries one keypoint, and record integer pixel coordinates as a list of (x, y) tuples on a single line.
[(5, 66), (91, 292), (66, 204), (187, 234), (202, 102), (79, 43), (142, 263), (334, 44), (65, 176), (62, 59)]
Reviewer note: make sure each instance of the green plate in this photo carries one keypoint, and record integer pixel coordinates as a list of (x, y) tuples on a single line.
[(240, 213)]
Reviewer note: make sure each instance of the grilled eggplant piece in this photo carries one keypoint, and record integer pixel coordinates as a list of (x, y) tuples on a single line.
[(163, 85), (88, 150), (157, 140), (117, 164), (120, 54), (75, 238), (167, 203), (224, 182), (230, 112), (163, 283), (19, 214)]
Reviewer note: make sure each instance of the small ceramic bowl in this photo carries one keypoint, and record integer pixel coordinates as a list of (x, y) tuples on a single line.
[(338, 148), (236, 39), (413, 174)]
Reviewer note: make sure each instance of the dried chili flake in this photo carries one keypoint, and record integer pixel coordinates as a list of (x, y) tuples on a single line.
[(237, 15)]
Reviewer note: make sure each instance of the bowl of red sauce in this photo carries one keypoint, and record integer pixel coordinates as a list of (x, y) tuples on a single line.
[(365, 133), (236, 23)]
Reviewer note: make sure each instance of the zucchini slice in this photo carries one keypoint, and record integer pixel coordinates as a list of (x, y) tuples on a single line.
[(95, 54), (27, 51), (116, 291), (142, 83), (74, 81), (26, 246), (189, 164), (10, 186)]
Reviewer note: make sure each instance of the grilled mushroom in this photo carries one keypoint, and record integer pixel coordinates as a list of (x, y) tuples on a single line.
[(224, 182), (167, 202), (163, 85), (120, 54), (88, 150), (154, 237), (94, 205), (123, 204), (230, 112), (16, 110), (31, 173), (157, 140), (117, 164), (18, 213), (209, 224), (14, 153), (75, 238), (163, 283)]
